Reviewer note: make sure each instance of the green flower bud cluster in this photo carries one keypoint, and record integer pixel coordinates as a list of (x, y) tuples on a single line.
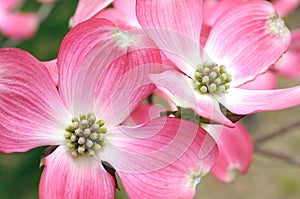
[(85, 135), (210, 78)]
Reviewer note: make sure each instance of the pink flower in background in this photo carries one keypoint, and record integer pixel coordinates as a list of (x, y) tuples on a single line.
[(289, 65), (103, 76), (235, 151), (244, 42), (16, 25)]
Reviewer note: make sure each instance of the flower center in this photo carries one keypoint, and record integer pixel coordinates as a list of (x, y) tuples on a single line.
[(210, 78), (85, 135)]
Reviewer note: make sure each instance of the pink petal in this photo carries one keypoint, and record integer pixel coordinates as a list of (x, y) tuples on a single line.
[(114, 15), (125, 83), (285, 7), (31, 110), (214, 9), (19, 25), (53, 70), (174, 180), (144, 113), (181, 91), (175, 27), (288, 65), (128, 9), (88, 8), (235, 152), (67, 178), (241, 101), (155, 145), (266, 81), (84, 54), (248, 39)]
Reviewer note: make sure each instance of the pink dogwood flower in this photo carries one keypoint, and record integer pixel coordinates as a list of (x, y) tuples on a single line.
[(244, 42), (14, 24), (103, 76)]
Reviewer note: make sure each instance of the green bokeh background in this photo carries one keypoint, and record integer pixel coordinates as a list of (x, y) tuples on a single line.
[(266, 179)]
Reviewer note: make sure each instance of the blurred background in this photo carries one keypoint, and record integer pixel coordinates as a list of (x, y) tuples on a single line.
[(268, 177)]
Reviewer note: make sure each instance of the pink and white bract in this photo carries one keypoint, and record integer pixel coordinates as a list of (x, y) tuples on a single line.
[(244, 41), (103, 76)]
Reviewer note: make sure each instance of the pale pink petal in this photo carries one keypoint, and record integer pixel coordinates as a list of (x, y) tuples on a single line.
[(175, 27), (155, 145), (87, 9), (125, 83), (68, 178), (181, 91), (53, 70), (178, 179), (266, 81), (128, 9), (9, 4), (248, 39), (285, 7), (243, 102), (31, 111), (19, 25), (235, 152)]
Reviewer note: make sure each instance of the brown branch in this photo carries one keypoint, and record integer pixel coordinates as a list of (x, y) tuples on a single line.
[(279, 132), (280, 156)]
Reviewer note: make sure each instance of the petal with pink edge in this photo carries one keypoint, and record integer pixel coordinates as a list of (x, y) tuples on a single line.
[(178, 179), (84, 54), (125, 83), (68, 178), (86, 9), (243, 102), (248, 39), (181, 91), (175, 27), (19, 25), (235, 152), (31, 111)]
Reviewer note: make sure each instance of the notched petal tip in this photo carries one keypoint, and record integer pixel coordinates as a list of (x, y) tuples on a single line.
[(124, 39), (277, 25)]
